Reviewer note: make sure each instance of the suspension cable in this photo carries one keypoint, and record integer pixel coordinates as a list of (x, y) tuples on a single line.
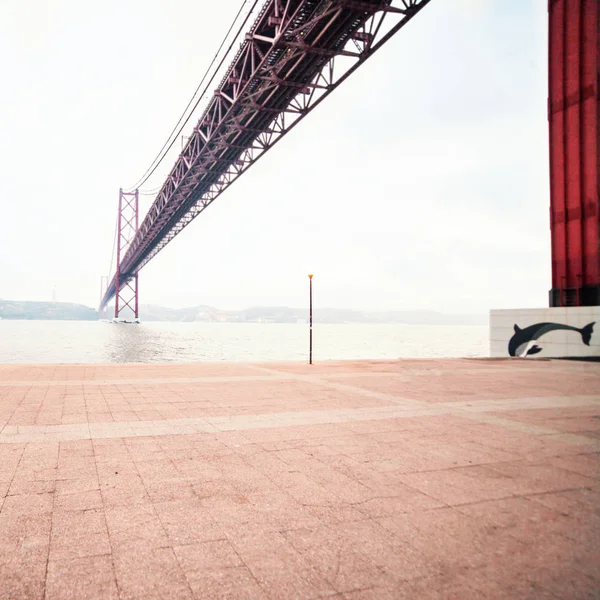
[(112, 254), (172, 139)]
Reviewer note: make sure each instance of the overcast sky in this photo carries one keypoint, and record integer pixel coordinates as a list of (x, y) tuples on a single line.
[(422, 182)]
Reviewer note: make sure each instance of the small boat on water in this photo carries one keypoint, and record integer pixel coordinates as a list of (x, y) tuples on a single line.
[(125, 321)]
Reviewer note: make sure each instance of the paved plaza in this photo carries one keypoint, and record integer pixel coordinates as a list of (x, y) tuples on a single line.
[(420, 479)]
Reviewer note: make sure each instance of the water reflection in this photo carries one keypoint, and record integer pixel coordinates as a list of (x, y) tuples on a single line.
[(129, 343), (96, 342)]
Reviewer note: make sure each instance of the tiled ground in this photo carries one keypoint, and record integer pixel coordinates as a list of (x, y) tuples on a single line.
[(392, 479)]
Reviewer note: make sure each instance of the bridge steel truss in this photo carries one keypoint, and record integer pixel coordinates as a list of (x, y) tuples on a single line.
[(296, 53), (126, 298)]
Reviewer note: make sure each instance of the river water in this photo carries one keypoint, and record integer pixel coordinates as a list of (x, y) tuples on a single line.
[(99, 342)]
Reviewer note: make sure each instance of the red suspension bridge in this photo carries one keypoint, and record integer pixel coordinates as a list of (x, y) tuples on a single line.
[(294, 54), (291, 58)]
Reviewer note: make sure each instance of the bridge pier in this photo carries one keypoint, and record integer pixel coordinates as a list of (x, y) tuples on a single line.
[(574, 68), (574, 136)]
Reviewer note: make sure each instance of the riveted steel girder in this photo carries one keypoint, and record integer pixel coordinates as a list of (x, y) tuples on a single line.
[(294, 55)]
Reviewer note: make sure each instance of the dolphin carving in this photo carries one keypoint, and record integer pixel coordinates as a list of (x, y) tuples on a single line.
[(519, 342)]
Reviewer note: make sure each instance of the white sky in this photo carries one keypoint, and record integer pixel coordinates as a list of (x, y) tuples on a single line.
[(422, 182)]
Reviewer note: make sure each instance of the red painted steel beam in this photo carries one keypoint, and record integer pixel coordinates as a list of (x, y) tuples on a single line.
[(295, 54), (573, 114), (126, 288)]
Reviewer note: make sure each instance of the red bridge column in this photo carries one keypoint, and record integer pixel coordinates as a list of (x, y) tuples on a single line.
[(126, 296), (573, 113)]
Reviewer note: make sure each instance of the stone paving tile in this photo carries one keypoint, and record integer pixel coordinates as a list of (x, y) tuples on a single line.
[(207, 556), (87, 500), (81, 579), (572, 419), (279, 569), (375, 479), (135, 526), (23, 574), (78, 534), (343, 562), (454, 386), (188, 521), (233, 583), (149, 573)]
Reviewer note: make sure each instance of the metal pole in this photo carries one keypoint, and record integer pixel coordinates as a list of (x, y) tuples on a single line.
[(310, 317)]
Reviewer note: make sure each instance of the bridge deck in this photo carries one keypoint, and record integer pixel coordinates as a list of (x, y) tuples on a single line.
[(408, 479), (295, 54)]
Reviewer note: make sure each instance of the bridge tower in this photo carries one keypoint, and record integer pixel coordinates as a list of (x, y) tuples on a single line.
[(570, 327), (573, 115), (126, 296)]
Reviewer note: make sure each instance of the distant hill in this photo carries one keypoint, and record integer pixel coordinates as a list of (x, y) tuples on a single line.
[(12, 309), (284, 314), (257, 314)]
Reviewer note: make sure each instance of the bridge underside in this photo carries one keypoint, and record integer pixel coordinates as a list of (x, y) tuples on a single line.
[(295, 54)]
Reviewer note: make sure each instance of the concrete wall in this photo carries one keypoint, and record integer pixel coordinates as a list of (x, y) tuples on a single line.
[(551, 343)]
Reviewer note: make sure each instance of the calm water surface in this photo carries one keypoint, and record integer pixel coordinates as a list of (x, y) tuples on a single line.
[(97, 341)]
